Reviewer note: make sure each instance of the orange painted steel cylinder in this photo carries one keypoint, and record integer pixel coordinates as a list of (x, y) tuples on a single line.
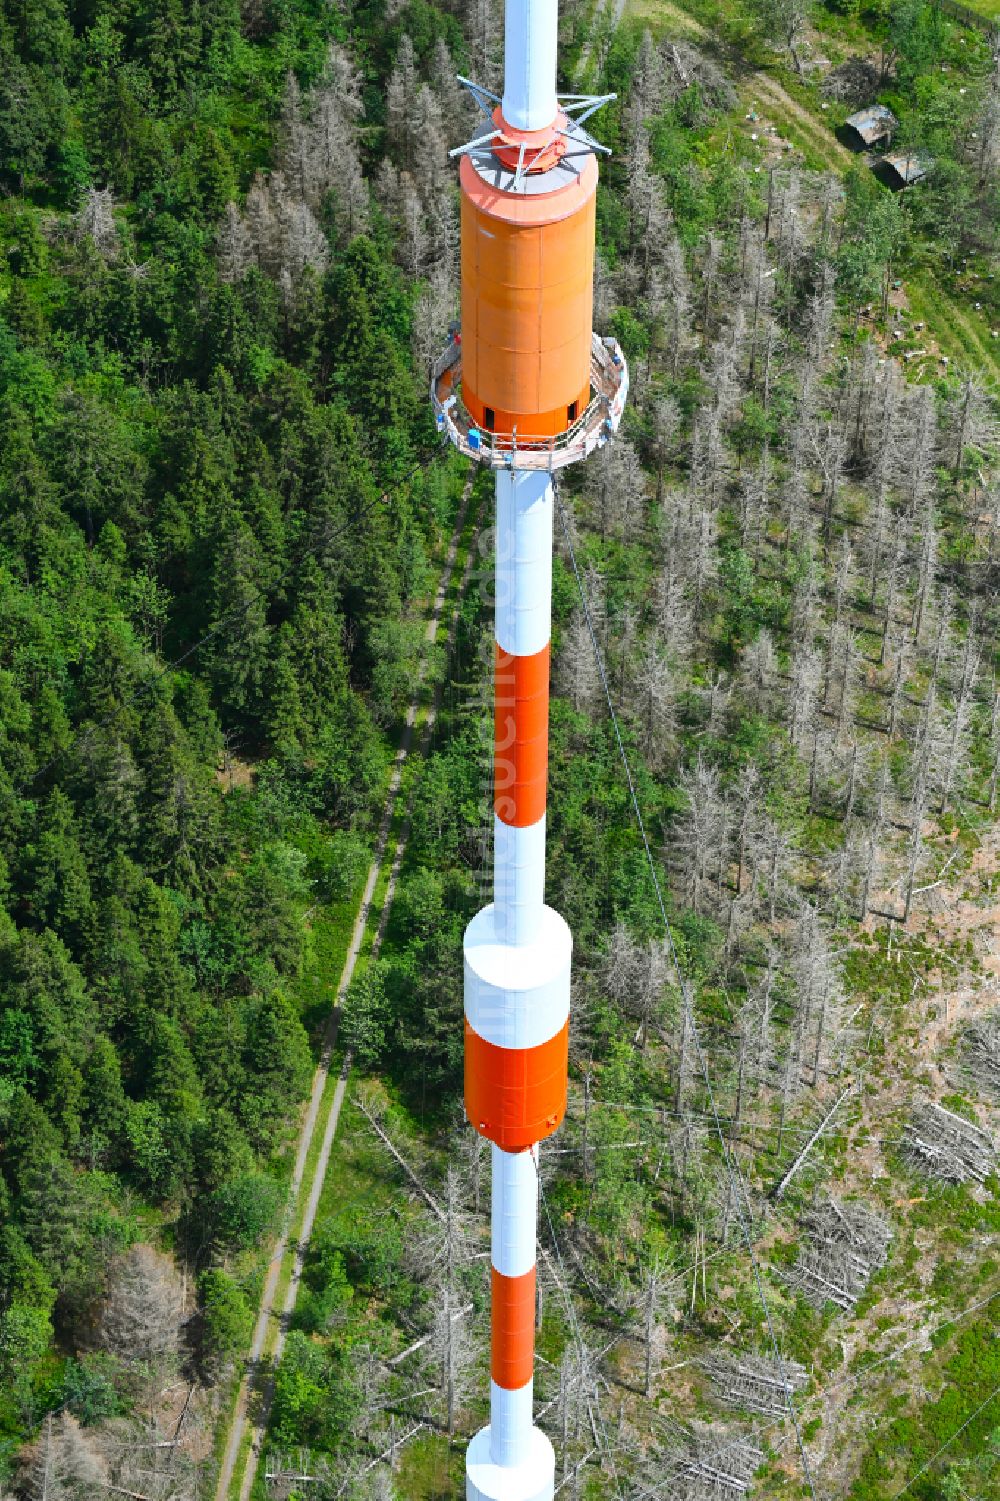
[(512, 1344), (520, 737), (527, 303), (516, 1096)]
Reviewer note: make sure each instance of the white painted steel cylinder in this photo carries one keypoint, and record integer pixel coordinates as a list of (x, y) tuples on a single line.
[(523, 561), (533, 1479), (510, 1424), (531, 31), (517, 997), (514, 1211), (518, 880)]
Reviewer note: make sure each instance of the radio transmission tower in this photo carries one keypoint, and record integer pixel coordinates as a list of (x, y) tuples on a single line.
[(525, 387)]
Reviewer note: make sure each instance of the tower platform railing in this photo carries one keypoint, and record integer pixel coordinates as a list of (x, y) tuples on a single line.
[(592, 429)]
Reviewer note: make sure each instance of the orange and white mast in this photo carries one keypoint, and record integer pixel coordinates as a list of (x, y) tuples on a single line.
[(527, 388)]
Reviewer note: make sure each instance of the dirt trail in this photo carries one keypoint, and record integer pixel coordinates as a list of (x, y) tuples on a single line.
[(267, 1312), (820, 137)]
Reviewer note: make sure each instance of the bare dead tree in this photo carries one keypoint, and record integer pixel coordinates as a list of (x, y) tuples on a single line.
[(901, 659), (828, 451), (440, 1255), (858, 759), (283, 231), (711, 259), (655, 1282), (677, 286), (877, 540), (650, 221), (674, 617), (618, 486), (955, 745), (922, 440), (806, 677), (759, 668), (754, 498), (648, 81), (664, 421), (893, 579), (789, 228), (859, 409), (576, 673), (400, 103), (702, 559), (234, 247), (702, 832), (656, 705), (821, 764), (95, 220), (434, 310), (748, 799), (484, 28), (143, 1309), (994, 749), (817, 981), (972, 423), (918, 809), (771, 860), (578, 1408), (430, 163), (334, 114), (452, 97), (414, 237), (62, 1465), (927, 543), (708, 456), (842, 580), (620, 970)]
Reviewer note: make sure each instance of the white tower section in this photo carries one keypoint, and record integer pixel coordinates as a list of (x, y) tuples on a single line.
[(531, 29)]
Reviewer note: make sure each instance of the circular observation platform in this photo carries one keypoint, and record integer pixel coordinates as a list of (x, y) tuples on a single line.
[(592, 429)]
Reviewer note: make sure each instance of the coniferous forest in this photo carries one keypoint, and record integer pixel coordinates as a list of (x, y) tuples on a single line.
[(246, 646)]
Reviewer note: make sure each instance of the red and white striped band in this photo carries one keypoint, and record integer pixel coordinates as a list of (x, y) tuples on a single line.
[(517, 988)]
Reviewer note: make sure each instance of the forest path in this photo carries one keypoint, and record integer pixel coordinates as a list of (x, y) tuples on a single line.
[(773, 96), (268, 1318)]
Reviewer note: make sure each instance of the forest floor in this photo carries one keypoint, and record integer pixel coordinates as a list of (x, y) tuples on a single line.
[(248, 1421), (958, 920)]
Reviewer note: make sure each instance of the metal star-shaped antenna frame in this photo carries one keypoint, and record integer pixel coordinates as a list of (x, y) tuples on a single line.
[(575, 107)]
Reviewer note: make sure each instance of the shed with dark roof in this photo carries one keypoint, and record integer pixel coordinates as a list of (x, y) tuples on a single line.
[(874, 124), (908, 167)]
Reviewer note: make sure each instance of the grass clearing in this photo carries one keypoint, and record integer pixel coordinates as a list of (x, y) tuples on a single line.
[(432, 1469), (660, 16), (954, 327)]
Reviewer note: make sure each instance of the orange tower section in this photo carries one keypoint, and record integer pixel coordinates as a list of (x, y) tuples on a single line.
[(527, 298)]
